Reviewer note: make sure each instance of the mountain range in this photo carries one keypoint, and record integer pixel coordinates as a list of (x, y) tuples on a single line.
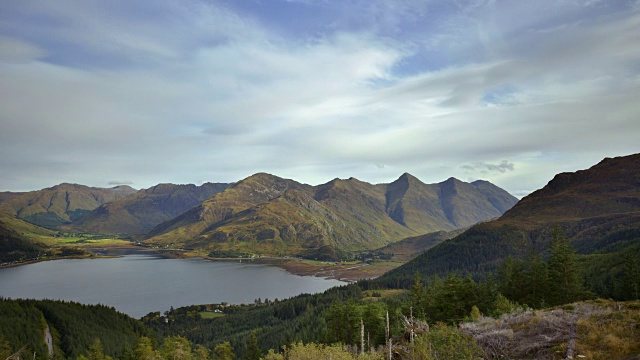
[(597, 209), (60, 204), (141, 211), (264, 215), (267, 215)]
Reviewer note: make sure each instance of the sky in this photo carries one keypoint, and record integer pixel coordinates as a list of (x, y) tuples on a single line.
[(141, 92)]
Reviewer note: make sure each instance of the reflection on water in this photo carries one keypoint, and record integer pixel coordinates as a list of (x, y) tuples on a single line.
[(141, 281)]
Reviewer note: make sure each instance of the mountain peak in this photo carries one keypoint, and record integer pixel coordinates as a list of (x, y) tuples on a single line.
[(609, 187), (123, 188), (66, 186), (407, 176), (597, 209), (452, 181)]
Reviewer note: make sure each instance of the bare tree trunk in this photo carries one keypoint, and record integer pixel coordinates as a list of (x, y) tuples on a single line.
[(388, 338), (412, 327), (361, 337)]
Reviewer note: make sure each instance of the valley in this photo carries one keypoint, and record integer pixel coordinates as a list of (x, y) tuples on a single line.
[(451, 252)]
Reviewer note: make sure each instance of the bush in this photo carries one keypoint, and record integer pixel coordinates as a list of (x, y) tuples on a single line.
[(444, 342)]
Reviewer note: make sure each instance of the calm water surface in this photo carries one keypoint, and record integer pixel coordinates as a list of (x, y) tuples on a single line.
[(140, 282)]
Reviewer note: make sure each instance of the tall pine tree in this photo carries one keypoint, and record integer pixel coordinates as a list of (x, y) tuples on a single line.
[(565, 280)]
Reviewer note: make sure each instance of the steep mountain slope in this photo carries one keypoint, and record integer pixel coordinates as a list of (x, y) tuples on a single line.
[(598, 209), (267, 215), (142, 211), (407, 249), (62, 203), (254, 190), (8, 195), (449, 205)]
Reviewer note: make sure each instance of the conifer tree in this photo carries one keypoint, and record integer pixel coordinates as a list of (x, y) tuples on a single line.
[(373, 317), (418, 297), (253, 350), (565, 281), (631, 277), (96, 352), (535, 281)]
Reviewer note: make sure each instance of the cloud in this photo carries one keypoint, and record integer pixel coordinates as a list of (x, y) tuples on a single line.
[(177, 91), (485, 168), (14, 51)]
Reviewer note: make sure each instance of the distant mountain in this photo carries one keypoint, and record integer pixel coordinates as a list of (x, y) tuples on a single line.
[(8, 195), (140, 212), (267, 215), (60, 204), (449, 205), (598, 209)]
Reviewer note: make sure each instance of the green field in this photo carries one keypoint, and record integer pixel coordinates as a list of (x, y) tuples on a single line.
[(210, 314)]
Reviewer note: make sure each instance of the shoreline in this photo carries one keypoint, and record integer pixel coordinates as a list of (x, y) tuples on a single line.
[(89, 255), (347, 273)]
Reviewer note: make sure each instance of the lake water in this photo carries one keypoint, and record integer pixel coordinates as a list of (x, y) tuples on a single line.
[(140, 282)]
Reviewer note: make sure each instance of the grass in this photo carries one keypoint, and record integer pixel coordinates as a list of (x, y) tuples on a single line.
[(210, 314), (604, 330), (101, 243), (613, 335)]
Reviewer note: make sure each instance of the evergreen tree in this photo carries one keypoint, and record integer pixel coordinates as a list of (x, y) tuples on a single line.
[(253, 350), (631, 278), (510, 279), (344, 322), (535, 281), (418, 297), (565, 281), (96, 352), (487, 294), (373, 316), (450, 299)]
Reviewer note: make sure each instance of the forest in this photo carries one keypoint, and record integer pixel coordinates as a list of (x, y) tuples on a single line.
[(339, 321)]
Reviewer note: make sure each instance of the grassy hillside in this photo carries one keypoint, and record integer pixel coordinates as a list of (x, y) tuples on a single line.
[(145, 209), (20, 240), (407, 249), (266, 215), (60, 204)]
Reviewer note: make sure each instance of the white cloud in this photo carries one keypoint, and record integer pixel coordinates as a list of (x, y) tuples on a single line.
[(14, 51), (200, 92)]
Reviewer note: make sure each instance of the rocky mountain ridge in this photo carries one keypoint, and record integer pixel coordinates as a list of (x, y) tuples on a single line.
[(267, 215)]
